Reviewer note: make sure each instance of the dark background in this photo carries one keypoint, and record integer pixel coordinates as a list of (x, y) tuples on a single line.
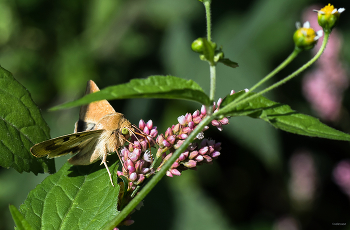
[(264, 178)]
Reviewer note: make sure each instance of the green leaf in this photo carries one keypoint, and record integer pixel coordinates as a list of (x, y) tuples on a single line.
[(228, 62), (153, 87), (21, 126), (76, 197), (283, 117), (21, 223)]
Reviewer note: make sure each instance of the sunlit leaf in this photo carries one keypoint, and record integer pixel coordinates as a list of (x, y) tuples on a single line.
[(21, 126), (283, 117), (153, 87), (76, 197)]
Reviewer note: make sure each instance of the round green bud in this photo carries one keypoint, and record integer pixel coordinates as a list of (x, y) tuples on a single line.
[(198, 45)]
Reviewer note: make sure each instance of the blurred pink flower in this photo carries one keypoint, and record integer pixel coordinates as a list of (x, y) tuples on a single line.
[(324, 86), (341, 175)]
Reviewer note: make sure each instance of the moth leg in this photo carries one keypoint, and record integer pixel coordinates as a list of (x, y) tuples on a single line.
[(104, 161)]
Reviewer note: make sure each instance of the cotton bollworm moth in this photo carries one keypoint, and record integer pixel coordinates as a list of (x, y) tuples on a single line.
[(100, 130)]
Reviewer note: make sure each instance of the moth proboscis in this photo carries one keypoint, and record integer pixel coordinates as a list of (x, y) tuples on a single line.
[(100, 130)]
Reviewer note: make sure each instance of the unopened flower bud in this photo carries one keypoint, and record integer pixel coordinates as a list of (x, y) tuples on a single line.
[(215, 154), (133, 176), (141, 179), (203, 110), (175, 165), (182, 120), (305, 38), (193, 155), (142, 124), (175, 172), (168, 132), (176, 129), (149, 124), (203, 150), (207, 158), (199, 158), (328, 17), (190, 164), (168, 173)]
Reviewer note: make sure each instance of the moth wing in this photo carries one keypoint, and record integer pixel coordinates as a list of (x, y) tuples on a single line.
[(63, 145), (91, 113)]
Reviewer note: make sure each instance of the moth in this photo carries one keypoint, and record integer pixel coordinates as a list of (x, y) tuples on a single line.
[(100, 130)]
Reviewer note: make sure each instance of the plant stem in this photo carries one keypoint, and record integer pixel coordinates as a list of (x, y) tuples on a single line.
[(158, 176), (208, 15), (277, 84)]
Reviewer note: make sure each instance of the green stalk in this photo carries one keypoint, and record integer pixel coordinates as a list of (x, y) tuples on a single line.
[(158, 176), (277, 84)]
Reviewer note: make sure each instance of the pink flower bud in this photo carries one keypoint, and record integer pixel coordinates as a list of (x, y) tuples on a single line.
[(141, 179), (205, 128), (215, 123), (167, 157), (160, 139), (215, 154), (219, 102), (195, 114), (171, 139), (144, 145), (188, 117), (186, 130), (159, 152), (219, 128), (193, 155), (168, 132), (128, 222), (207, 158), (149, 124), (178, 144), (119, 173), (133, 176), (191, 124), (131, 169), (199, 158), (182, 157), (196, 120), (203, 110), (190, 164), (154, 132), (224, 121), (134, 156), (175, 165), (232, 92), (176, 128), (130, 163), (166, 144), (203, 150), (175, 172), (183, 136), (145, 170), (168, 173), (146, 130), (182, 120), (142, 124)]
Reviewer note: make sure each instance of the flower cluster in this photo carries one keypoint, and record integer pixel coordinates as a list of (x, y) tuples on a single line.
[(195, 154), (136, 157)]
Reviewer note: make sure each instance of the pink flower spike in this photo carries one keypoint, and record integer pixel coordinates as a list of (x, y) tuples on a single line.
[(133, 176), (203, 110), (232, 92), (168, 173), (142, 124), (175, 172), (182, 120), (149, 124)]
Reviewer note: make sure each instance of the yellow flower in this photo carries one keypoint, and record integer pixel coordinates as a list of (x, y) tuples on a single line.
[(305, 37), (328, 17)]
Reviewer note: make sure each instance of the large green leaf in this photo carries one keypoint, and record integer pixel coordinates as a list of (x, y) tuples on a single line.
[(153, 87), (76, 197), (283, 117), (21, 223), (21, 126)]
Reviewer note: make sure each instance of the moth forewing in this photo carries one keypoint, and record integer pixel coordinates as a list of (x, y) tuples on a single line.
[(63, 145)]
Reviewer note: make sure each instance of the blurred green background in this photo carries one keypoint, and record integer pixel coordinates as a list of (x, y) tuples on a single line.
[(54, 47)]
